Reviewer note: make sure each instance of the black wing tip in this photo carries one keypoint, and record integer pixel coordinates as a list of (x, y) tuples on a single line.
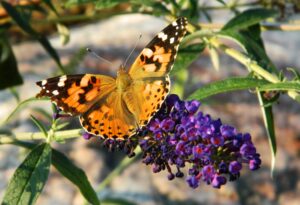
[(39, 83)]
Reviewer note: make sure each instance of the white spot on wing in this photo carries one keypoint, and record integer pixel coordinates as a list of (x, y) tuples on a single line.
[(61, 82), (47, 91), (147, 52), (55, 92), (44, 82), (174, 23), (172, 40), (162, 36)]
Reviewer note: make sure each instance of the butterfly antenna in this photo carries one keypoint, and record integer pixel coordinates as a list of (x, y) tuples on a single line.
[(97, 56), (136, 43)]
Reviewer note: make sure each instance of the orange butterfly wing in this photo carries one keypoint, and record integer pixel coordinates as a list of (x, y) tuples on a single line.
[(110, 118), (75, 94), (157, 58), (150, 71)]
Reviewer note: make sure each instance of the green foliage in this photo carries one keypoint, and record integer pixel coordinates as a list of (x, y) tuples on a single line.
[(248, 18), (30, 177), (9, 74), (24, 24), (244, 29)]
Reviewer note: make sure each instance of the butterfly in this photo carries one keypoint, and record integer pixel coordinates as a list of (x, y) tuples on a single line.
[(116, 107)]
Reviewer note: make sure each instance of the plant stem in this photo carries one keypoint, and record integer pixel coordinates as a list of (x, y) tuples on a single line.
[(11, 138)]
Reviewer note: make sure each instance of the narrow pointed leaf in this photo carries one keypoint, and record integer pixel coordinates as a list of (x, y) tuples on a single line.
[(75, 175), (269, 125), (230, 84), (9, 74), (249, 18), (39, 125), (242, 83), (214, 58), (30, 177), (20, 106)]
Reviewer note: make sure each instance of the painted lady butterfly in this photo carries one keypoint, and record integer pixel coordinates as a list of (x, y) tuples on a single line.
[(116, 107)]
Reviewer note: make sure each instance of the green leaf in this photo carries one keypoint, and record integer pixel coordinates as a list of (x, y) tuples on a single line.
[(39, 125), (9, 74), (248, 18), (20, 106), (230, 84), (180, 79), (51, 6), (30, 177), (283, 86), (51, 51), (18, 18), (75, 175), (214, 58), (186, 56), (24, 24), (241, 83), (269, 125), (252, 47)]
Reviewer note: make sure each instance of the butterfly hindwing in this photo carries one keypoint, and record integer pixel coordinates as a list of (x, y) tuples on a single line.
[(145, 97), (110, 118), (75, 94), (157, 58)]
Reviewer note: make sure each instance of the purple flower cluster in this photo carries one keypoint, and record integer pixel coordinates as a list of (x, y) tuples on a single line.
[(180, 136)]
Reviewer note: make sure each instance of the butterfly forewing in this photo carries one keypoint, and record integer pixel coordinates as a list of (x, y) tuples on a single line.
[(150, 71), (75, 94), (157, 58)]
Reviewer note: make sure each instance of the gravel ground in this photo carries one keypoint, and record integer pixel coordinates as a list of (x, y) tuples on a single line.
[(113, 39)]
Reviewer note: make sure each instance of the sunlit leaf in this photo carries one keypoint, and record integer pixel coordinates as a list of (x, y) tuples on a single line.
[(30, 177), (248, 18), (214, 57), (241, 83), (64, 33)]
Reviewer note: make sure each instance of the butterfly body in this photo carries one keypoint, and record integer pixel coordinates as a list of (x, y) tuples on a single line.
[(123, 80), (117, 107)]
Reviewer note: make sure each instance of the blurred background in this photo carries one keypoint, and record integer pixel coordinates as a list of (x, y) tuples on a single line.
[(112, 35)]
